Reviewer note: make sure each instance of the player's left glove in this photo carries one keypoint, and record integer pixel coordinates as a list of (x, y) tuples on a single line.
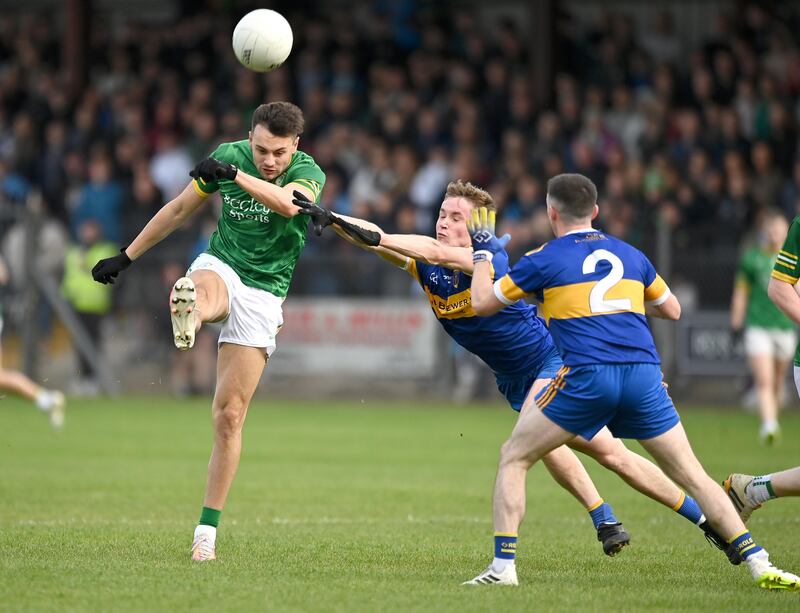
[(484, 242), (320, 217), (210, 170)]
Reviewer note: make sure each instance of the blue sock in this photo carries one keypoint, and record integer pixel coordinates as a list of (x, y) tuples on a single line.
[(745, 545), (505, 545), (601, 513), (688, 507)]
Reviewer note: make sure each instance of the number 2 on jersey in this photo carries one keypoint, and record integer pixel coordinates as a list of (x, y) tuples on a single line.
[(598, 303)]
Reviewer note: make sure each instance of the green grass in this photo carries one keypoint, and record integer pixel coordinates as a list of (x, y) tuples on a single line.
[(346, 507)]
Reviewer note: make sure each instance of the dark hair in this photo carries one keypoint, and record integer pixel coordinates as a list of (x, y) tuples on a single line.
[(574, 195), (280, 118)]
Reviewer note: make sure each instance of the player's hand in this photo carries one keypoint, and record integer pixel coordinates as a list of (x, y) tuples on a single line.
[(320, 217), (484, 242), (210, 170), (106, 270)]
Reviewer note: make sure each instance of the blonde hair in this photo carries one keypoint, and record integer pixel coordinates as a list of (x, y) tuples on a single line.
[(476, 195)]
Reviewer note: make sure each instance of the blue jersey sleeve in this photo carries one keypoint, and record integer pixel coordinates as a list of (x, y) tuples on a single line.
[(528, 276)]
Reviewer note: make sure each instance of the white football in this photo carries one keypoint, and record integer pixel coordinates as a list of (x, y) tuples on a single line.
[(262, 40)]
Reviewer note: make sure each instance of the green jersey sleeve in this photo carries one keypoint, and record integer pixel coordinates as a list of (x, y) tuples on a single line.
[(786, 266), (305, 172)]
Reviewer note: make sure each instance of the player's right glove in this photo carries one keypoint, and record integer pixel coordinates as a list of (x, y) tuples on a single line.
[(210, 170), (485, 244), (106, 270)]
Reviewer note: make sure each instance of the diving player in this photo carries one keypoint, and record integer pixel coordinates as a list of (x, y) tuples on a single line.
[(517, 347), (241, 280), (595, 291)]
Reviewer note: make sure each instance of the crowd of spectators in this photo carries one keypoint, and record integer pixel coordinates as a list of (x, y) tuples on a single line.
[(399, 100)]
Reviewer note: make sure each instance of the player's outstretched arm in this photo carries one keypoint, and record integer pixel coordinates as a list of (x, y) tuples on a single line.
[(170, 217), (429, 250), (785, 297)]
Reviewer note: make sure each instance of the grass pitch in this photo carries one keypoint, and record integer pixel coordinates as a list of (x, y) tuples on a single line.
[(357, 506)]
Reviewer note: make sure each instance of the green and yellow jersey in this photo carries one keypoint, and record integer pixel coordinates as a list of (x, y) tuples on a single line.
[(261, 245), (786, 266), (755, 269)]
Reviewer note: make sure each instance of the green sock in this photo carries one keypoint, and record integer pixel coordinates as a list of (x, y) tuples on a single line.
[(209, 517)]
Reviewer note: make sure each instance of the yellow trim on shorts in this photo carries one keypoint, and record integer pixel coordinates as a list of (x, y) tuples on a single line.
[(556, 384)]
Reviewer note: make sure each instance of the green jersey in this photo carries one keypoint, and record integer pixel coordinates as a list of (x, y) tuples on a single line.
[(258, 243), (786, 264), (753, 274)]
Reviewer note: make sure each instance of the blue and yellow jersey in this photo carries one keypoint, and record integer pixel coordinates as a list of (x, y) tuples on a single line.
[(593, 289), (511, 342)]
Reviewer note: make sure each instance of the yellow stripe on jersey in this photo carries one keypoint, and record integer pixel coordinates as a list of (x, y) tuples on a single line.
[(784, 277), (411, 268), (199, 191), (453, 307), (510, 290), (655, 290), (791, 256), (573, 301), (309, 184)]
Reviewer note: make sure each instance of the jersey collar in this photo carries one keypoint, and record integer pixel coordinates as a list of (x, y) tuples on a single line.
[(579, 231)]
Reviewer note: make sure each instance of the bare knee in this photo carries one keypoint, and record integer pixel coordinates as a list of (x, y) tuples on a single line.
[(614, 460), (512, 454), (228, 416)]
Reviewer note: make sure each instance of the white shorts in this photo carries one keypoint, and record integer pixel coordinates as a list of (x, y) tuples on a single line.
[(770, 341), (797, 378), (254, 316)]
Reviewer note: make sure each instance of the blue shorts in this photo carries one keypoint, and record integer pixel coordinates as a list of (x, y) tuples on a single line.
[(631, 399), (516, 389)]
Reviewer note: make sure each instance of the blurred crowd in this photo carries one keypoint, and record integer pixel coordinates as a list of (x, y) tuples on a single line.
[(399, 99)]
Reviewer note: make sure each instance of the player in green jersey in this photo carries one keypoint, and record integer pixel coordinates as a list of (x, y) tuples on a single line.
[(769, 335), (782, 289), (242, 280)]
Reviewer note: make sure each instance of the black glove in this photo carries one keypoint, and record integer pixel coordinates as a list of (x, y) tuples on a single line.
[(105, 271), (210, 170), (321, 218)]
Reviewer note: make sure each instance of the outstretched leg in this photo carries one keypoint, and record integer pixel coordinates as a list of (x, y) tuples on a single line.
[(675, 456)]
